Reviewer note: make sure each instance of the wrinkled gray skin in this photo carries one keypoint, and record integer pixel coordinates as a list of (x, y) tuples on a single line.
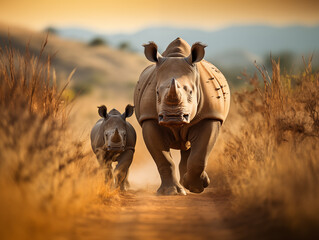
[(113, 139), (178, 96)]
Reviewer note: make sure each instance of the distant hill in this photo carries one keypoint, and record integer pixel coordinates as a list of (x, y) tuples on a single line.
[(104, 66), (231, 49), (256, 39)]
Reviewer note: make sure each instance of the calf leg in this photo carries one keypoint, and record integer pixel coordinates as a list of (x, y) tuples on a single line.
[(202, 137), (108, 170), (121, 169), (106, 165), (157, 143)]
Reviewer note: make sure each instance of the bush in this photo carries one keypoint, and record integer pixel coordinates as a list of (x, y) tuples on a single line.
[(82, 88), (285, 59), (125, 46), (98, 42), (51, 30)]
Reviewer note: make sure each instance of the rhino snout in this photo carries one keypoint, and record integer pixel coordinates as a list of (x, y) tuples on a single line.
[(115, 147), (116, 142), (173, 119)]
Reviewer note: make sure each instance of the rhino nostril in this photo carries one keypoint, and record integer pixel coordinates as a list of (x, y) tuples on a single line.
[(186, 116)]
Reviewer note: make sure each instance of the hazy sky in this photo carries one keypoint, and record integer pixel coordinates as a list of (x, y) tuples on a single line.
[(123, 16)]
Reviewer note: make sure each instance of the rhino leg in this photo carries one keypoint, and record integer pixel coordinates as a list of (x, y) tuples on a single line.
[(121, 169), (183, 163), (157, 141), (100, 156), (108, 171), (202, 137), (106, 165)]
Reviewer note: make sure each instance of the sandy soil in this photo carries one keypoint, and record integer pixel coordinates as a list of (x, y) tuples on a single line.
[(144, 215), (140, 213)]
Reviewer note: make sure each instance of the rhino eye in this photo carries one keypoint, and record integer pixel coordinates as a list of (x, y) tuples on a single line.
[(190, 92), (157, 92)]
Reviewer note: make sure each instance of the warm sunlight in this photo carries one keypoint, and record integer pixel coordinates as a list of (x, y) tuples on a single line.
[(159, 119), (128, 16)]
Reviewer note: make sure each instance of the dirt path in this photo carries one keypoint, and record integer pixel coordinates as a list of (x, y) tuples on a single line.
[(143, 215)]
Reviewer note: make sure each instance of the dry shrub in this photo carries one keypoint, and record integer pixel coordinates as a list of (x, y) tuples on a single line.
[(270, 163), (45, 175)]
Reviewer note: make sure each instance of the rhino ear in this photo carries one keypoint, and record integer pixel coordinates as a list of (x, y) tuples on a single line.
[(129, 110), (197, 53), (102, 111), (151, 53)]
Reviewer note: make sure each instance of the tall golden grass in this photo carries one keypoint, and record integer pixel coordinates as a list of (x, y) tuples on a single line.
[(45, 175), (266, 158), (270, 164)]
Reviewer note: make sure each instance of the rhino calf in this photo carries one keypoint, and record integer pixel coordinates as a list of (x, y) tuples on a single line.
[(113, 139)]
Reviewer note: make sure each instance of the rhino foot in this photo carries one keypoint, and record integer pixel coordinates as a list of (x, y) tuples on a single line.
[(174, 189), (196, 184)]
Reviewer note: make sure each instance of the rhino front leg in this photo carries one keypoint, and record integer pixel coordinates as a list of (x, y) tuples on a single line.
[(157, 143), (121, 169), (202, 137), (183, 163)]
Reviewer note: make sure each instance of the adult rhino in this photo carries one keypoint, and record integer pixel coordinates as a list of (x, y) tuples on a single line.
[(181, 102)]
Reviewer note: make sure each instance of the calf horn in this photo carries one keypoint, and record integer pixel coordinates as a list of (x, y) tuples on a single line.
[(173, 95), (116, 137)]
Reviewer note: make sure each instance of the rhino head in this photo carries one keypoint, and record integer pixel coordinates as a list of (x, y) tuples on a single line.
[(177, 92), (114, 128)]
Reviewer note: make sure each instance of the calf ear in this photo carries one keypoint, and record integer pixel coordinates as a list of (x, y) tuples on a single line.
[(151, 53), (197, 53), (102, 111), (128, 111)]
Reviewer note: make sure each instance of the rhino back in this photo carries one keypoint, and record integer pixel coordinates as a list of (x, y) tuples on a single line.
[(178, 48), (145, 95)]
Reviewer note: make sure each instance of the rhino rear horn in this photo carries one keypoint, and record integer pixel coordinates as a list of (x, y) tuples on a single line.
[(197, 53)]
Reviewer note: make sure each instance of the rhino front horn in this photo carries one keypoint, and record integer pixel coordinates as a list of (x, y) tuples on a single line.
[(116, 137), (173, 96)]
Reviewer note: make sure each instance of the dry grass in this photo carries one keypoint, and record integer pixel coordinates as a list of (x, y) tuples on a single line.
[(269, 162), (266, 158), (44, 174)]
